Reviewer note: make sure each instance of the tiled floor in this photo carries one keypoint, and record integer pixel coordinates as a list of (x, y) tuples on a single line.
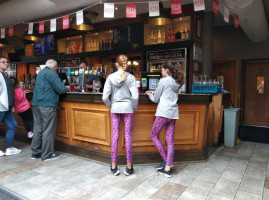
[(240, 173)]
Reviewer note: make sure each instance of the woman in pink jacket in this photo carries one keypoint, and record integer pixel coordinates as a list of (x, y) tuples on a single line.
[(22, 107)]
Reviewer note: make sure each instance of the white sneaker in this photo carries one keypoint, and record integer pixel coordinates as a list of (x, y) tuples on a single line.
[(2, 153), (30, 134), (12, 151)]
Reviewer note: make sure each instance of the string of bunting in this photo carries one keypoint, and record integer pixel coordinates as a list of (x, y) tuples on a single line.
[(109, 9)]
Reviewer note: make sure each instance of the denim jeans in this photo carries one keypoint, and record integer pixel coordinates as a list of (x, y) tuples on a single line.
[(8, 119)]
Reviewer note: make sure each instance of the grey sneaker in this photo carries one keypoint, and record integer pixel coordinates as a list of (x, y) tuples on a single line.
[(128, 171), (52, 157), (161, 166), (115, 171), (2, 153), (34, 157), (12, 151), (165, 173)]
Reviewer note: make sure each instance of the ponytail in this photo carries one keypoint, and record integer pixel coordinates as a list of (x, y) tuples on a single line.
[(176, 71)]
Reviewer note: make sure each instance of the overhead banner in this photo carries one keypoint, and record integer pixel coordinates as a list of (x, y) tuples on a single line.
[(108, 10), (154, 9), (199, 5), (175, 7), (52, 25), (226, 14), (79, 17), (30, 28), (130, 10), (3, 33), (66, 22), (236, 21), (41, 27), (215, 6), (10, 31)]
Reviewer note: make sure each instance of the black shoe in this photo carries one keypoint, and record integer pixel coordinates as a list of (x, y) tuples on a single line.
[(52, 157), (161, 166), (128, 171), (165, 173), (33, 157), (115, 171)]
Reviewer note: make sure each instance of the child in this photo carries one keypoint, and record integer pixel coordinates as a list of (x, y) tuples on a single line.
[(124, 100), (166, 95), (22, 107)]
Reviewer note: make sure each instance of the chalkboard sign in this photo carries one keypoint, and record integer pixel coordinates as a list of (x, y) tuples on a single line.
[(128, 37)]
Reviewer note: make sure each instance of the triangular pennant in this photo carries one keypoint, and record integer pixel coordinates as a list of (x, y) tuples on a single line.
[(226, 14), (3, 33), (108, 10), (53, 25), (30, 28), (176, 7), (154, 8), (41, 27), (215, 6), (79, 17), (66, 22), (199, 5), (10, 31), (130, 10)]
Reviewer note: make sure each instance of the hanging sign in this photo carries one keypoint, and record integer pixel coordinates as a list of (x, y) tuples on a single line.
[(66, 22), (3, 33), (30, 28), (41, 27), (154, 9), (52, 25), (199, 5), (108, 10), (236, 21), (79, 17), (130, 10), (10, 31), (215, 6), (226, 14), (175, 7)]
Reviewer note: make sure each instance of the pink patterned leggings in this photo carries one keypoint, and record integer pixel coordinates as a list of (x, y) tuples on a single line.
[(128, 126), (158, 125)]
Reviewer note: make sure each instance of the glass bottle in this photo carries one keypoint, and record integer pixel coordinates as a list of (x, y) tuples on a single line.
[(159, 36)]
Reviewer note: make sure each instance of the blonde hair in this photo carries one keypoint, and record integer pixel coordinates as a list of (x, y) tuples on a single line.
[(122, 60)]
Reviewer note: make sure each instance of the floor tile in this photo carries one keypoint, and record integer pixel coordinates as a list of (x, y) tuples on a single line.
[(210, 175), (216, 197), (226, 188), (252, 185), (247, 196), (111, 193)]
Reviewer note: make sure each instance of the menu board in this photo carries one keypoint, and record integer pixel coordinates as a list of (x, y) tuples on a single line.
[(130, 37)]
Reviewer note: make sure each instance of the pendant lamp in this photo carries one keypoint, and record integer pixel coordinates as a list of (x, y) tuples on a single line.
[(87, 24), (34, 36), (3, 43), (163, 19)]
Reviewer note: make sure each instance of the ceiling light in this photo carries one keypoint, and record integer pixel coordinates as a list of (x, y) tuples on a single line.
[(3, 43), (163, 19), (32, 37), (87, 24)]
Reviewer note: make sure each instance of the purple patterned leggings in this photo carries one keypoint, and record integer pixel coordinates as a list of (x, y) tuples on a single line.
[(158, 125), (128, 126)]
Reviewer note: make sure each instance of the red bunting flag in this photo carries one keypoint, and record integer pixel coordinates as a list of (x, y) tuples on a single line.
[(10, 31), (199, 5), (66, 22), (236, 21), (175, 7), (215, 6), (41, 27), (130, 10)]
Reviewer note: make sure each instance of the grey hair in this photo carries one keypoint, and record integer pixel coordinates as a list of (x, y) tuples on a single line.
[(51, 63)]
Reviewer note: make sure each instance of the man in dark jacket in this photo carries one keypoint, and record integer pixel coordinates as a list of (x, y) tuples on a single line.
[(48, 86)]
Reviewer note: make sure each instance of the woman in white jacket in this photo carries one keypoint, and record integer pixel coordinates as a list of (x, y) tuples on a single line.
[(121, 86)]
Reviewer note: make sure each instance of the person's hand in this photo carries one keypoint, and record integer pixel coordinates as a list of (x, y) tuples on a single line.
[(68, 87), (123, 77), (149, 92)]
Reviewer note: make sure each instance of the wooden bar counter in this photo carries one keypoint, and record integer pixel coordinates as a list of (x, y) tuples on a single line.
[(84, 128)]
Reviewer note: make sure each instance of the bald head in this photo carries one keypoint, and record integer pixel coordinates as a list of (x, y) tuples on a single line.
[(52, 64)]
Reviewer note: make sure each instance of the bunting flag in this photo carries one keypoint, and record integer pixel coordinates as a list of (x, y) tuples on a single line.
[(66, 22), (236, 21), (41, 27), (199, 5), (108, 10), (79, 17), (52, 25), (10, 31), (30, 28), (130, 10), (154, 9), (3, 33), (175, 7), (226, 14), (215, 6)]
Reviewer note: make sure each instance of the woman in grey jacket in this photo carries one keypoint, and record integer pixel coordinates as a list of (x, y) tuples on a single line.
[(166, 95), (121, 86)]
